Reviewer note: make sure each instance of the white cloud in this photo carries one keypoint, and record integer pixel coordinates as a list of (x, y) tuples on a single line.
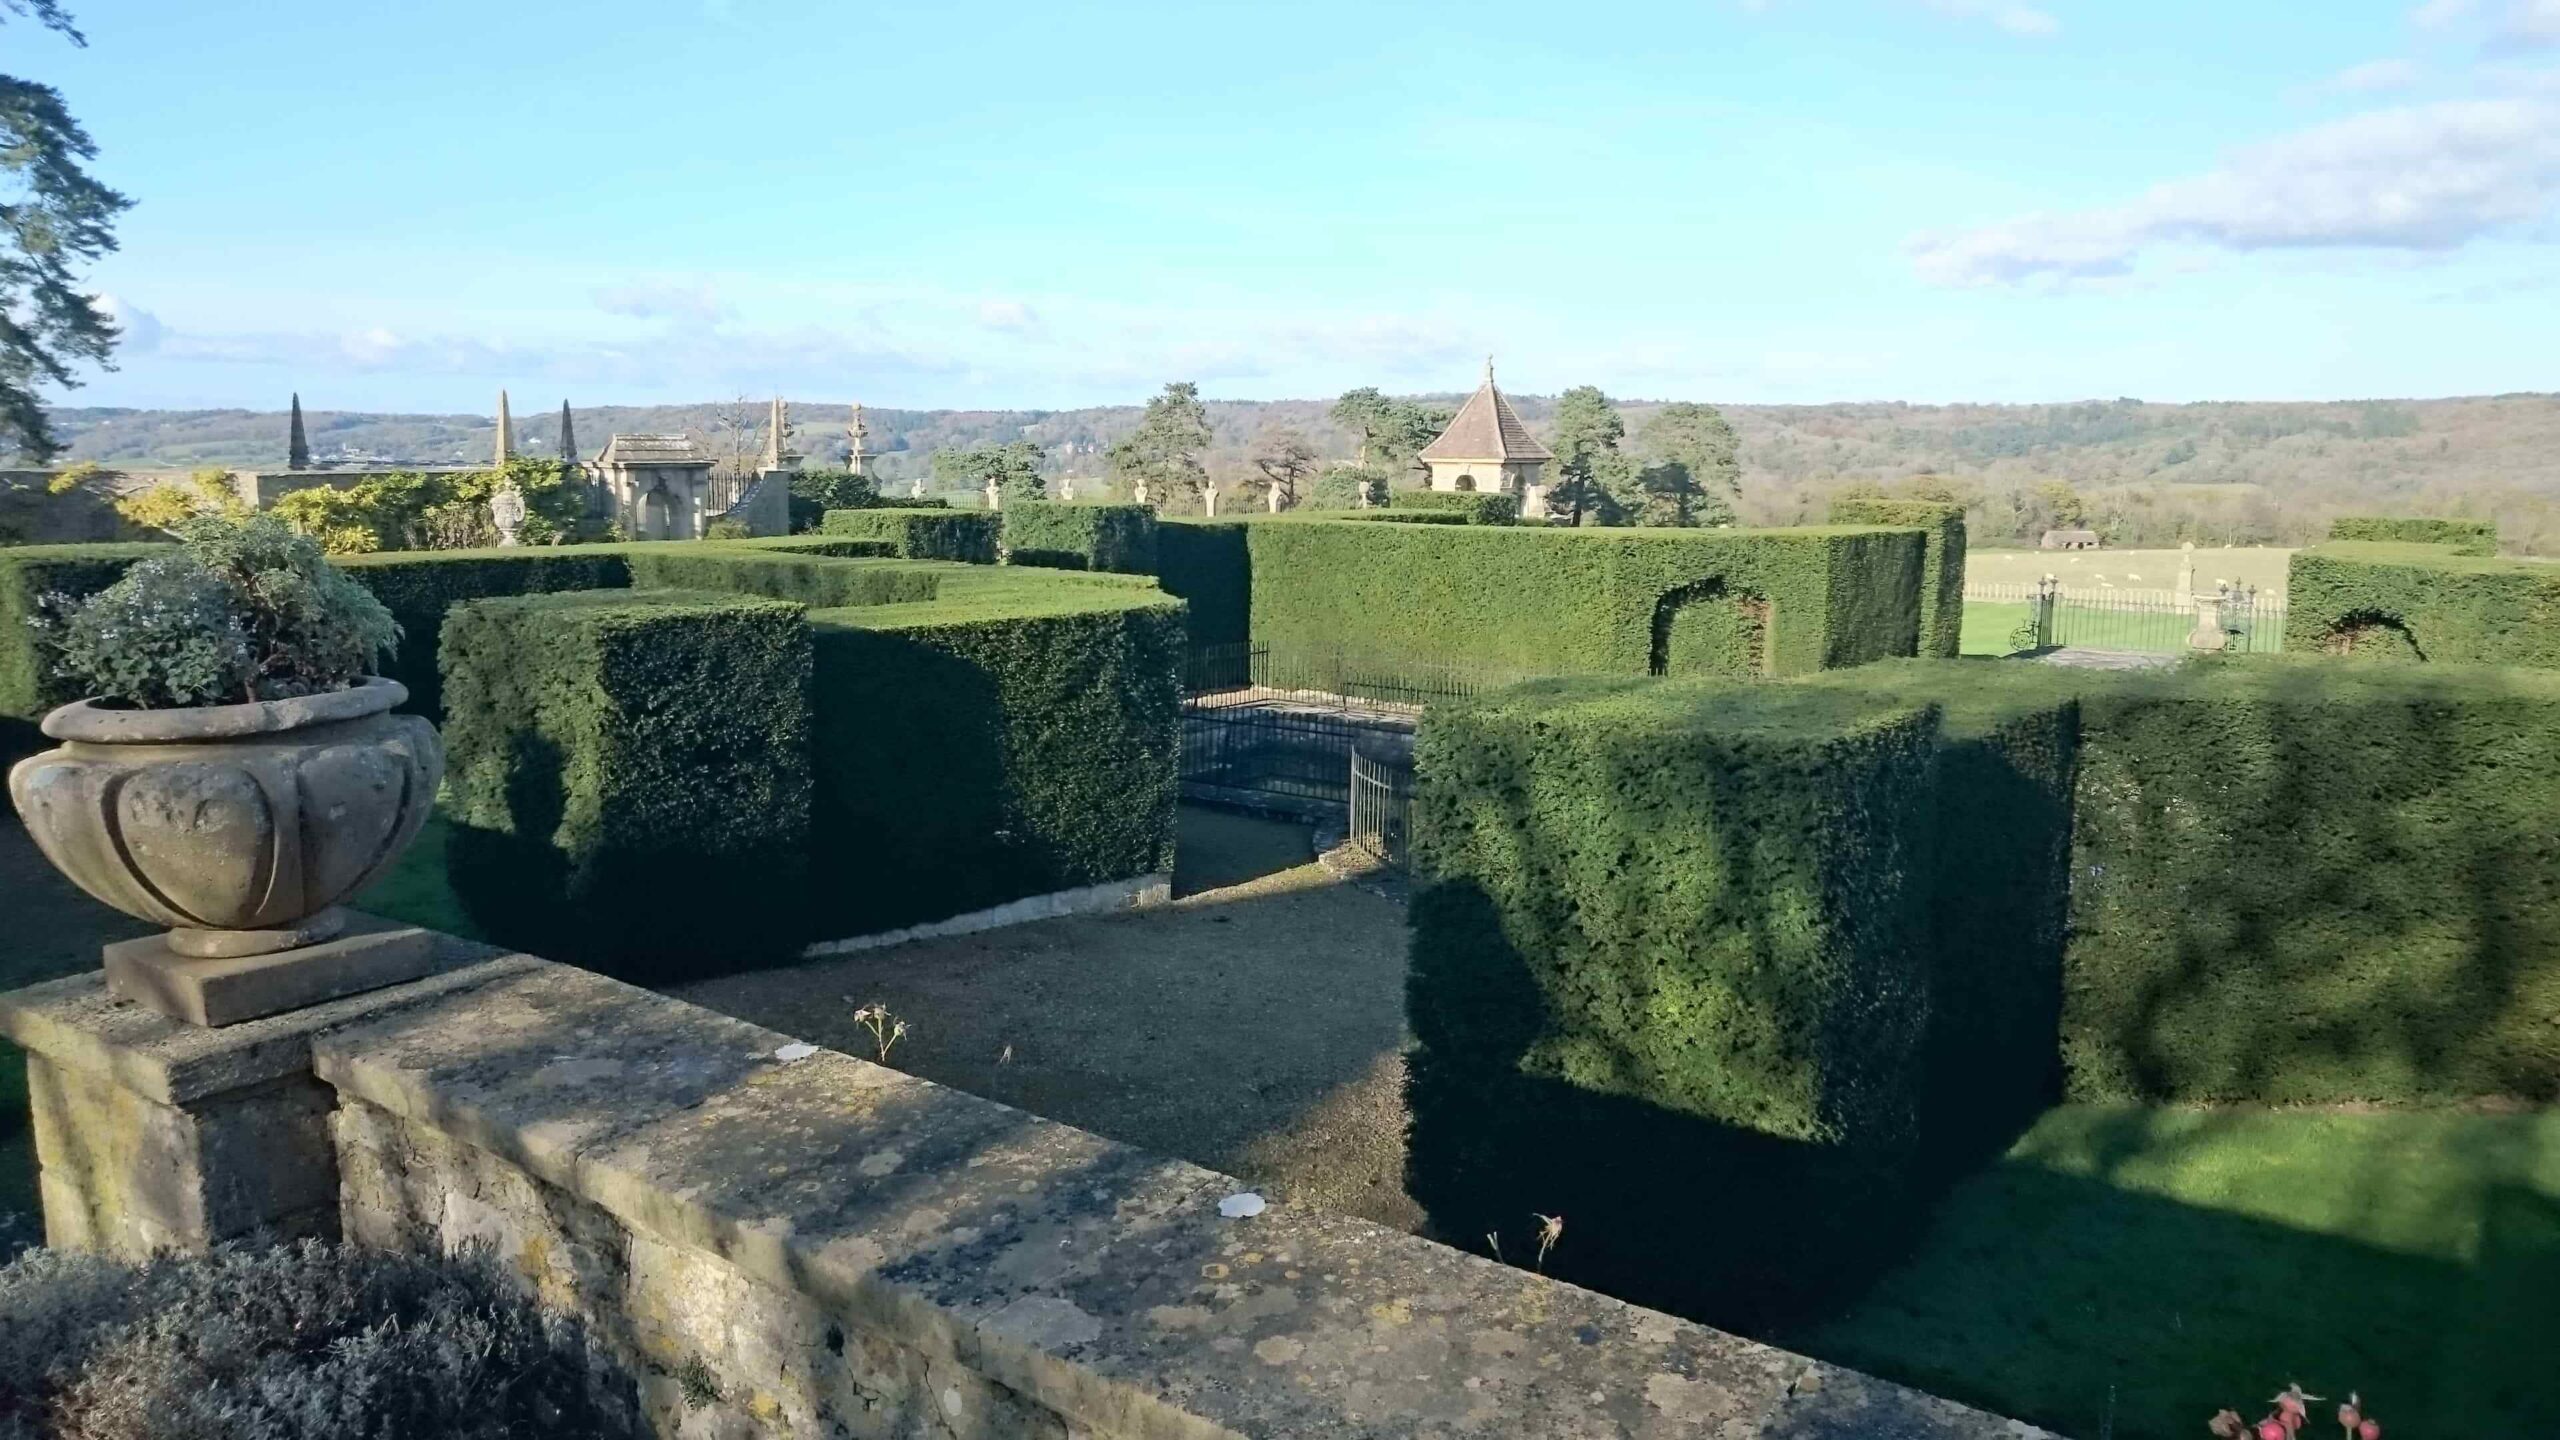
[(663, 300), (2015, 18), (2420, 178), (2437, 14), (143, 331), (2527, 25), (2375, 76), (1011, 316)]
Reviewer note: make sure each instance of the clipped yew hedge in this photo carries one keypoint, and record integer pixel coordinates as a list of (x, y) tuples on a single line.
[(922, 534), (1058, 536), (1476, 507), (1208, 564), (2310, 883), (1941, 562), (1640, 985), (28, 573), (967, 755), (1668, 976), (2467, 537), (842, 547), (2422, 603), (418, 587), (627, 775), (1538, 599), (818, 581)]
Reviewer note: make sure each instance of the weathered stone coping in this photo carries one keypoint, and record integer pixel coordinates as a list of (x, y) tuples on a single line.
[(75, 1022), (1093, 1278), (1135, 893)]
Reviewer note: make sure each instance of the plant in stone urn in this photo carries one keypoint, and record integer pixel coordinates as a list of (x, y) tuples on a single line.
[(236, 771)]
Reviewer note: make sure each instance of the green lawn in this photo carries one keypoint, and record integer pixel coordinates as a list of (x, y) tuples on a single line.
[(416, 891), (2155, 1265)]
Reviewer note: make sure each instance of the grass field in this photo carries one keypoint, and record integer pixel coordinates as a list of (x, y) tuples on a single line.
[(2129, 1271), (2131, 569)]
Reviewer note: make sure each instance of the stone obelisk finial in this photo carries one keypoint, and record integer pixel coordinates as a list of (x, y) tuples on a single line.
[(297, 450), (854, 433), (506, 431), (568, 437), (773, 429)]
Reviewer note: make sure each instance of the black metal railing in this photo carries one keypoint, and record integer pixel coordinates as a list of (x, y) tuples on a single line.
[(1382, 807), (2045, 614), (1242, 674)]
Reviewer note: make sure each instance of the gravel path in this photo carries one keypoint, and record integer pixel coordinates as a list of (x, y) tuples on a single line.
[(1255, 1025)]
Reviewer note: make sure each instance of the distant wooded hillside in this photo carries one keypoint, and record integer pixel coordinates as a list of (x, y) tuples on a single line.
[(2141, 473)]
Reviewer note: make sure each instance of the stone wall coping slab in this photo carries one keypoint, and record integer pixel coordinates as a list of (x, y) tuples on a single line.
[(77, 1022), (1097, 1279)]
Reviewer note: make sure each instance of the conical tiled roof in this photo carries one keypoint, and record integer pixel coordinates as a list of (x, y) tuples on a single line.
[(1486, 428)]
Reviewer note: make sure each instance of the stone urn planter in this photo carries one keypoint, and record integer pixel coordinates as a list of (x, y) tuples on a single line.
[(240, 827)]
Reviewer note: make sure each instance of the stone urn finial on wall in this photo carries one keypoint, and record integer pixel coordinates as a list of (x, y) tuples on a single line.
[(242, 828), (238, 776)]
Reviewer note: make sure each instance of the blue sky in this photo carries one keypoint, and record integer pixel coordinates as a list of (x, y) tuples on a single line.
[(404, 207)]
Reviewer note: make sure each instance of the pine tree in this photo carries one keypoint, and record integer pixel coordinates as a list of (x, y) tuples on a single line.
[(57, 218), (1163, 453)]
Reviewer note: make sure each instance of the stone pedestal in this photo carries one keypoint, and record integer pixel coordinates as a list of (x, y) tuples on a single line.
[(156, 1134), (367, 954)]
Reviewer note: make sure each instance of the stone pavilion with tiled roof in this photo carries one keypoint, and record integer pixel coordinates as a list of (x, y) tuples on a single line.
[(1486, 447)]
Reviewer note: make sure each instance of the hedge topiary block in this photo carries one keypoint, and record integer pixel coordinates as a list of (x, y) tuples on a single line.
[(1668, 966), (1209, 565), (1941, 562), (2305, 883), (964, 535), (420, 586), (628, 775), (1538, 599), (2466, 537), (817, 581), (842, 547), (28, 573), (2422, 602), (982, 754), (1476, 507), (1117, 538)]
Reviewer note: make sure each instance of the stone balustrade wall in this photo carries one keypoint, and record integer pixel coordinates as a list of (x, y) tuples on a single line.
[(785, 1241)]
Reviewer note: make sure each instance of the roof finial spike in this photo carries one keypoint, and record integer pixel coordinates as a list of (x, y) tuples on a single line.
[(1488, 369)]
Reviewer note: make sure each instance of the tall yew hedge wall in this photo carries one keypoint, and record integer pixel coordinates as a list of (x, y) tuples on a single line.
[(819, 581), (964, 535), (1477, 507), (1208, 563), (1540, 599), (1641, 985), (418, 587), (2422, 602), (1058, 536), (1941, 562), (2467, 537), (1035, 753), (627, 775)]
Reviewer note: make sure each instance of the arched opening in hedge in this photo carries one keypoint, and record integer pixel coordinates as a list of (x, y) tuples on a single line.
[(2372, 635), (1707, 628)]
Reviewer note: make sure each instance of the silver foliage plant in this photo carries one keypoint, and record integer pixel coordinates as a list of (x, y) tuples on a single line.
[(301, 1342), (243, 610)]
